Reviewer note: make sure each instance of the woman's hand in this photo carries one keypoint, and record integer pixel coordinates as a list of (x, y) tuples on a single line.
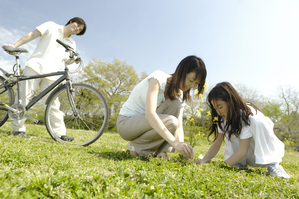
[(184, 149), (199, 162)]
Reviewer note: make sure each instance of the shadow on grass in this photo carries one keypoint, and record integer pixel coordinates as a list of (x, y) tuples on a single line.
[(249, 170), (117, 156), (6, 133)]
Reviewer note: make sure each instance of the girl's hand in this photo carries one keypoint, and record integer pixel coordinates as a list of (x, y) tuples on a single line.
[(184, 149)]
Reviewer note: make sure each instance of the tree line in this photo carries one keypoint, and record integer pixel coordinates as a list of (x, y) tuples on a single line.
[(117, 79)]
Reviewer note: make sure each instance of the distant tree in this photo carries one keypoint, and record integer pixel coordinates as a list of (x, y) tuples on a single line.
[(114, 80), (288, 127), (273, 110), (250, 94), (290, 98), (142, 76)]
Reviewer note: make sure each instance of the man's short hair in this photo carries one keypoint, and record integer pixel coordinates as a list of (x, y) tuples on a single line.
[(79, 21)]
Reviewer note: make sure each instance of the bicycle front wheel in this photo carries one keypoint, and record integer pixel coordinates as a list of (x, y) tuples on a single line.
[(85, 124), (6, 97)]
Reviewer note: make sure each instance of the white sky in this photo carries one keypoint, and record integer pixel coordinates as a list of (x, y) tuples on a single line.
[(253, 42)]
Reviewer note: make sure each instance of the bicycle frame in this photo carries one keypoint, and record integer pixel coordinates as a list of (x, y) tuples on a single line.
[(34, 100)]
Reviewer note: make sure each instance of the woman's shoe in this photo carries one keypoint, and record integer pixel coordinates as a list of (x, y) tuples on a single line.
[(132, 149), (163, 155), (241, 166)]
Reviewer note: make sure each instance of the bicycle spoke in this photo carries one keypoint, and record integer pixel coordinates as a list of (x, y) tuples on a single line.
[(92, 118), (7, 97)]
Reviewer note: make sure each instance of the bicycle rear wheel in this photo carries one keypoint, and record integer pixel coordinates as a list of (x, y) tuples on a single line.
[(7, 97), (85, 127)]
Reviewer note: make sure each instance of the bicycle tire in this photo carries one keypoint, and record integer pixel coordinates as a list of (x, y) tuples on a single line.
[(91, 120), (6, 96)]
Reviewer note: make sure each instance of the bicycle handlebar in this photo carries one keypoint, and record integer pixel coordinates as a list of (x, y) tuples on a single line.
[(72, 54), (67, 47)]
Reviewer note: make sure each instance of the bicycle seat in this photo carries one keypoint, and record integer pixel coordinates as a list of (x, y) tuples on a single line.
[(10, 49)]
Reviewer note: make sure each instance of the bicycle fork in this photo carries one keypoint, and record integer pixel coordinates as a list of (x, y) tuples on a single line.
[(70, 91)]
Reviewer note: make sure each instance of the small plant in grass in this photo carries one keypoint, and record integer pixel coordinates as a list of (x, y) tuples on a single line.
[(42, 168), (288, 142), (195, 131)]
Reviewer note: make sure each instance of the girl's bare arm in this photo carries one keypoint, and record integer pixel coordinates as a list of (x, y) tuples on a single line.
[(213, 150), (239, 153)]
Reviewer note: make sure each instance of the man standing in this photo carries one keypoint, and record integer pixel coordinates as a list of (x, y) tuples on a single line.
[(46, 58)]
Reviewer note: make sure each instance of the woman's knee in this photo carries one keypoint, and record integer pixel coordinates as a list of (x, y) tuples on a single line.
[(177, 103), (171, 123), (174, 107)]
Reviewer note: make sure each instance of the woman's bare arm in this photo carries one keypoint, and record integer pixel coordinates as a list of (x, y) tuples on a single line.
[(154, 120)]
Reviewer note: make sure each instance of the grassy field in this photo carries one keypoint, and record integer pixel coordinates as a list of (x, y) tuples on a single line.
[(41, 168)]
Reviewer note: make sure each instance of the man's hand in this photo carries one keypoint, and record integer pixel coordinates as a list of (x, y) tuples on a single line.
[(78, 60), (11, 45)]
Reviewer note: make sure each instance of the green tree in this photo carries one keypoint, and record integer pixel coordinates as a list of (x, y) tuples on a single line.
[(288, 127), (273, 110), (114, 80), (290, 98), (249, 94)]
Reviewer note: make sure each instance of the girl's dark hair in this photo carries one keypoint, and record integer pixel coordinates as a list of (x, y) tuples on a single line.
[(187, 65), (79, 21), (238, 110)]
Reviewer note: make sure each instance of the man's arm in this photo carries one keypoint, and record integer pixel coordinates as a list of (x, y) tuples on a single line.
[(27, 38)]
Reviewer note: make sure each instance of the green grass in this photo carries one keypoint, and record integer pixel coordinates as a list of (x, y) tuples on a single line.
[(41, 168)]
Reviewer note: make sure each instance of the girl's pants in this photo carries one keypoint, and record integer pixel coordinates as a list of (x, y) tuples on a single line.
[(144, 138), (249, 159), (28, 91)]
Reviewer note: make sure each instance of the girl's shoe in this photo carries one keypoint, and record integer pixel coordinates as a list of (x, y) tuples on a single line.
[(277, 170), (241, 166), (132, 150)]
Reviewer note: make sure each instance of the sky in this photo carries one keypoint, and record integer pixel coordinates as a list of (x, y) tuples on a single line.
[(249, 42)]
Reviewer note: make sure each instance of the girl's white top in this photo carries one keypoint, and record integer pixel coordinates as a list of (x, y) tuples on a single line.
[(135, 105), (265, 147)]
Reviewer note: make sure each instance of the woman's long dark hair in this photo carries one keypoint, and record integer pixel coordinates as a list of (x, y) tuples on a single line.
[(187, 65), (238, 110)]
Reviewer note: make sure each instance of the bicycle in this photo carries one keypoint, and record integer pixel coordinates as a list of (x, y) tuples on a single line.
[(85, 110)]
